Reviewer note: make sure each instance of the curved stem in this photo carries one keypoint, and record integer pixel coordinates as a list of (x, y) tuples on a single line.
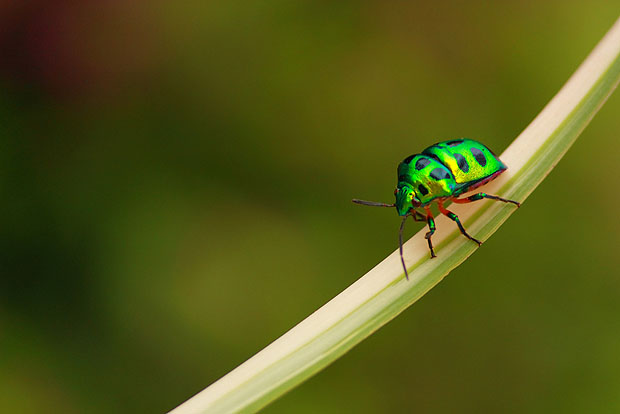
[(383, 293)]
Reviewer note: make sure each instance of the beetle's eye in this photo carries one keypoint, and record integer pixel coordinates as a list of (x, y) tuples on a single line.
[(396, 191)]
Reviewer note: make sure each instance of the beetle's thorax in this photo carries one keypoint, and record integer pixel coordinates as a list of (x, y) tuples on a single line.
[(406, 198)]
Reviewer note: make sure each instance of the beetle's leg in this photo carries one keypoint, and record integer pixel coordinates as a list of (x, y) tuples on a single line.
[(480, 196), (455, 218), (417, 216), (431, 228)]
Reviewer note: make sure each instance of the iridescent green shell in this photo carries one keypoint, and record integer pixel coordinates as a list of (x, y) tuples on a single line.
[(427, 177), (469, 161), (446, 169)]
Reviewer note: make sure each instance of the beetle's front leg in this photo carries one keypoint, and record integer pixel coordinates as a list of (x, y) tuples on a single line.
[(431, 228), (417, 216)]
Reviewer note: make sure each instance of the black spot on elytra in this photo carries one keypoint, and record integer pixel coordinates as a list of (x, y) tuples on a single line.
[(461, 162), (455, 142), (440, 174), (421, 163), (423, 190), (433, 156), (408, 159), (482, 160)]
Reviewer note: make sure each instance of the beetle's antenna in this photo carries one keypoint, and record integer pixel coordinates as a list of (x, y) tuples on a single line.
[(372, 203), (400, 244)]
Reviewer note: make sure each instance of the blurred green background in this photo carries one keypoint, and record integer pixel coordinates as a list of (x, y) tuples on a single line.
[(176, 181)]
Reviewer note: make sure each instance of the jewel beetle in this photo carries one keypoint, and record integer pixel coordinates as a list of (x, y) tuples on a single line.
[(441, 173)]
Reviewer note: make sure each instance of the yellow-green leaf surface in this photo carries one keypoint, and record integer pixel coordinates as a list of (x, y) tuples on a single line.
[(383, 292)]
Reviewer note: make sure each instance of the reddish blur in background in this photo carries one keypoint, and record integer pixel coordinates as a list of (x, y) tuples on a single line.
[(175, 183)]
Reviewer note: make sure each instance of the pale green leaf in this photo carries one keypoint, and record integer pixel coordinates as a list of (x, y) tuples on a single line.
[(383, 292)]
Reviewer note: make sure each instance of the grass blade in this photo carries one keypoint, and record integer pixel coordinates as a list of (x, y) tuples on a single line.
[(383, 293)]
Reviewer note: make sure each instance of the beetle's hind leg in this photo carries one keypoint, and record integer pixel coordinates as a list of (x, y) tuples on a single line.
[(480, 196), (455, 218)]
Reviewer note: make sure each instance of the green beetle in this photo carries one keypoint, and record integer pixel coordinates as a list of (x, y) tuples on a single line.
[(442, 172)]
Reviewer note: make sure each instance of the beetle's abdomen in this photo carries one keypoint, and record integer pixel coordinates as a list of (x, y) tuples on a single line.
[(469, 161), (427, 176)]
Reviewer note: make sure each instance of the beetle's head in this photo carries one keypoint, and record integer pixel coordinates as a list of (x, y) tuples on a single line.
[(406, 199)]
